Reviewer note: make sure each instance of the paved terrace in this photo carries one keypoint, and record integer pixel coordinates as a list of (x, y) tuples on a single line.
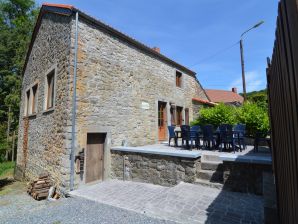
[(248, 155), (183, 203)]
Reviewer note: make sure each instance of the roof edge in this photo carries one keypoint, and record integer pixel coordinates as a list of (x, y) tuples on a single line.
[(67, 10), (204, 101)]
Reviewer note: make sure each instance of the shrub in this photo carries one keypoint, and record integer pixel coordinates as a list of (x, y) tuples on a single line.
[(220, 114), (255, 117)]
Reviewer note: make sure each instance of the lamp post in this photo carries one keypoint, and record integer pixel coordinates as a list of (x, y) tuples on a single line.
[(242, 58)]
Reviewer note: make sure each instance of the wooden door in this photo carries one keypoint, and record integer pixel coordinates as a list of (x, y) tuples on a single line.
[(94, 157), (162, 120)]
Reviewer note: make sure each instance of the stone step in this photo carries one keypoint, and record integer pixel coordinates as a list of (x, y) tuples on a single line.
[(210, 175), (210, 157), (211, 165), (208, 183)]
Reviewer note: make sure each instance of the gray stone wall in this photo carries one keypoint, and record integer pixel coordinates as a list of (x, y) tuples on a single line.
[(114, 79), (156, 169), (244, 177), (47, 150)]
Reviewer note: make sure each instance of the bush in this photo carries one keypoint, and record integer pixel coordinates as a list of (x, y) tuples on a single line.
[(253, 116), (220, 114)]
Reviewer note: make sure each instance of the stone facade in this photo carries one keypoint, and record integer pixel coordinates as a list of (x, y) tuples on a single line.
[(43, 148), (118, 90), (156, 169)]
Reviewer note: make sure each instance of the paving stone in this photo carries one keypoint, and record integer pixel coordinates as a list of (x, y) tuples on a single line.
[(183, 203)]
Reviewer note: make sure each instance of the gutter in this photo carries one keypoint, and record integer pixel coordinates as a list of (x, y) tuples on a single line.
[(74, 108)]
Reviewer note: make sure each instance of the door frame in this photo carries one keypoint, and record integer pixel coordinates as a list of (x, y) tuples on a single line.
[(166, 122), (82, 142), (103, 160)]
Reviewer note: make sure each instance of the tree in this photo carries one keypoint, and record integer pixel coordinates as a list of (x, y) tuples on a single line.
[(17, 19)]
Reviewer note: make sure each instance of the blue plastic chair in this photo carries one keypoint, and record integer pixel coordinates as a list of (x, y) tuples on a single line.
[(241, 131), (185, 134), (208, 136), (172, 135), (195, 135), (227, 138)]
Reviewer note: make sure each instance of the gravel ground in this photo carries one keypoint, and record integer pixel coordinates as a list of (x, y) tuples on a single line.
[(21, 208)]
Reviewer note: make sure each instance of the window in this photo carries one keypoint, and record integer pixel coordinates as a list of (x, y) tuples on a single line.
[(34, 99), (27, 103), (178, 79), (50, 90), (179, 115), (31, 100)]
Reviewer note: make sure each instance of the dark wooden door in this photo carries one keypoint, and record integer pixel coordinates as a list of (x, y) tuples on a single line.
[(162, 120), (94, 157)]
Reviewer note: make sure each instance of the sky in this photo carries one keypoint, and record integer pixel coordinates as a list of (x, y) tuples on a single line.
[(202, 35)]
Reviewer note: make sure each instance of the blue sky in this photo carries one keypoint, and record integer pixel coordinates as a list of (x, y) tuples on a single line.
[(191, 31)]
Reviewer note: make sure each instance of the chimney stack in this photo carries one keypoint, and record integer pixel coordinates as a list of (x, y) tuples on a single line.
[(157, 49), (234, 90)]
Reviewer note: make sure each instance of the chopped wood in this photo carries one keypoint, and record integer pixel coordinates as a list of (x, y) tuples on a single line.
[(39, 189)]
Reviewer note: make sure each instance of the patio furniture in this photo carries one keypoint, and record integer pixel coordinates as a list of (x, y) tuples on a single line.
[(172, 135), (208, 136), (227, 137), (185, 134), (241, 130), (261, 137), (195, 132)]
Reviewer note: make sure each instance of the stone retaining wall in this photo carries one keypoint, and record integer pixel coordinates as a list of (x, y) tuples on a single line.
[(244, 177), (170, 170), (156, 169)]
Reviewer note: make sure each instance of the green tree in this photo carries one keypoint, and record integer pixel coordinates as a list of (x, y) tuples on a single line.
[(17, 19)]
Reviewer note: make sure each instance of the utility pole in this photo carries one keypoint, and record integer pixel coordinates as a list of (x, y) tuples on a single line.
[(243, 70), (242, 57)]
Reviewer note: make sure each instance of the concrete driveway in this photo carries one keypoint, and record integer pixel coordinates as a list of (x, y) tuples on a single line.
[(184, 203)]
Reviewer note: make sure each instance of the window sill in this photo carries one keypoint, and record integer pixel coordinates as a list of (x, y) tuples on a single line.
[(30, 116), (48, 110)]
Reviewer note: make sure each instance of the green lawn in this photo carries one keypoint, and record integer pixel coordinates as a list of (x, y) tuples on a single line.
[(6, 168)]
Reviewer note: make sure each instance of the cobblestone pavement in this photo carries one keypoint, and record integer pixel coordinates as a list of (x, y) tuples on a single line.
[(184, 203)]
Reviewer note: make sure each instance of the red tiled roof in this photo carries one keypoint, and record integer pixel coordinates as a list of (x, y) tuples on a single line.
[(58, 5), (204, 101), (223, 96)]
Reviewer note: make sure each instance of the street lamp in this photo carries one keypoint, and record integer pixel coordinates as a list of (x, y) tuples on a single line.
[(242, 58)]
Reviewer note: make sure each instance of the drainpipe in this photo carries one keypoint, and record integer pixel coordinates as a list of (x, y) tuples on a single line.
[(74, 108)]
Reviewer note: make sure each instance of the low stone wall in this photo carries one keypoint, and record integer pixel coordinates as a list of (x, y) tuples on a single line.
[(244, 177), (151, 168)]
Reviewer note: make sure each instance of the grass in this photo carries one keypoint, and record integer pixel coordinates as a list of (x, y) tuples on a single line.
[(6, 168)]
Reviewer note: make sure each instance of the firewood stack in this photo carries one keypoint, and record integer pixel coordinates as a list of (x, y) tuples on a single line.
[(39, 189)]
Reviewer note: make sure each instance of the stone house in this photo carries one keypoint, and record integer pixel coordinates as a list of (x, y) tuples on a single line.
[(88, 87), (224, 96)]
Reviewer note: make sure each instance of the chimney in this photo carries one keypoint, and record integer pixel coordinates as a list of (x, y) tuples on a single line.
[(157, 49), (234, 90)]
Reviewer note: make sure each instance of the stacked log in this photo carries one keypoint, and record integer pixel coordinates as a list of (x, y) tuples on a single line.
[(39, 189)]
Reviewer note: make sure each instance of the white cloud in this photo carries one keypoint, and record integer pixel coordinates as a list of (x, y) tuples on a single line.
[(253, 80)]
